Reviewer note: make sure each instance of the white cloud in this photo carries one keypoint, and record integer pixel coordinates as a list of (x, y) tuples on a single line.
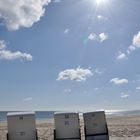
[(118, 81), (125, 96), (100, 38), (66, 31), (137, 88), (92, 36), (98, 71), (9, 55), (28, 99), (67, 90), (136, 40), (121, 55), (128, 52), (21, 13), (132, 48), (103, 37), (79, 74), (2, 44), (96, 89)]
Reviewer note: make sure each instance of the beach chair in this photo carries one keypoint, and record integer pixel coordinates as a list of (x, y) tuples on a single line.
[(95, 126), (67, 126), (21, 126)]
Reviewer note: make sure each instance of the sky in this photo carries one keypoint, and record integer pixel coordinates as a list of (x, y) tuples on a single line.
[(78, 55)]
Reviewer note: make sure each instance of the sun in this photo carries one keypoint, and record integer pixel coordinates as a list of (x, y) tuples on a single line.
[(98, 2)]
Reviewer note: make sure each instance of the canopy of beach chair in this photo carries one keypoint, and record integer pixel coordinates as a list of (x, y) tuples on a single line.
[(95, 126), (21, 126), (67, 126)]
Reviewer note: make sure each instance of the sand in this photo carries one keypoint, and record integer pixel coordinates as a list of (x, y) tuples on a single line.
[(120, 128)]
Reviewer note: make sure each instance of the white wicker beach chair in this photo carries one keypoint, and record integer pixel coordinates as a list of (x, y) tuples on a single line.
[(67, 126), (21, 126), (95, 126)]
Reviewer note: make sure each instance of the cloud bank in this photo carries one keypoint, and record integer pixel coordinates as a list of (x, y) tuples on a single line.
[(21, 13), (79, 74), (9, 55)]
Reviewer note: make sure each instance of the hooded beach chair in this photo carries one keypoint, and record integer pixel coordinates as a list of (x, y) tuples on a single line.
[(67, 126), (95, 126), (21, 126)]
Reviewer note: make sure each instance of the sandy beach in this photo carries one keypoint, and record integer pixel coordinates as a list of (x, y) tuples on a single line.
[(120, 128)]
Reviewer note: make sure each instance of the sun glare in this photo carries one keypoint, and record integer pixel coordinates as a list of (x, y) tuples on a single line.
[(100, 2)]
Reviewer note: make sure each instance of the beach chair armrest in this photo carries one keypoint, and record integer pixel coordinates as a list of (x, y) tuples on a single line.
[(7, 136), (80, 133), (36, 135), (54, 134)]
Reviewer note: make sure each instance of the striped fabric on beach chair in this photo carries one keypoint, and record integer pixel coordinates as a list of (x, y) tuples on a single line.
[(67, 126), (21, 126), (95, 126)]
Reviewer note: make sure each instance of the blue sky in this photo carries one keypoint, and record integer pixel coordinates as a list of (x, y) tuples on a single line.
[(69, 55)]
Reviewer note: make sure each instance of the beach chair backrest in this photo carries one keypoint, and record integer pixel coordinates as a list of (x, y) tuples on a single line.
[(21, 126), (95, 124), (67, 126)]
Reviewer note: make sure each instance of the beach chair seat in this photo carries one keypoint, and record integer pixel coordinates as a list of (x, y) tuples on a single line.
[(95, 126), (67, 126), (97, 137), (21, 126)]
